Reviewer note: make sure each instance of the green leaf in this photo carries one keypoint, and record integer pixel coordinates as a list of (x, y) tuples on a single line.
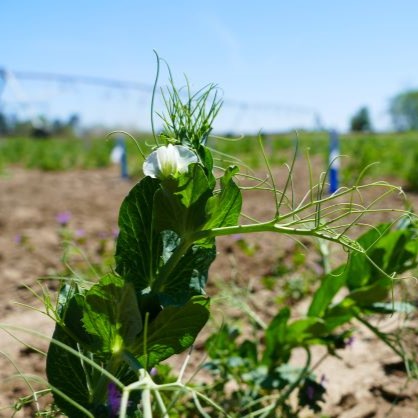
[(70, 308), (138, 247), (330, 285), (173, 331), (305, 329), (223, 343), (150, 235), (376, 292), (401, 249), (207, 160), (179, 205), (392, 251), (359, 269), (66, 373), (392, 307), (224, 208), (111, 313), (340, 314), (189, 275), (276, 352)]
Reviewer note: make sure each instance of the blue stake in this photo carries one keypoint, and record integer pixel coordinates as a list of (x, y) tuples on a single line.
[(123, 159), (118, 156), (334, 162)]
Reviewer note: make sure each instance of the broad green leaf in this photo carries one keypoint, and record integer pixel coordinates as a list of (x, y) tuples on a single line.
[(179, 205), (276, 352), (392, 251), (111, 314), (401, 249), (66, 373), (359, 268), (206, 157), (339, 314), (224, 208), (248, 350), (330, 285), (358, 271), (70, 309), (189, 275), (172, 331), (367, 295), (138, 248), (305, 329)]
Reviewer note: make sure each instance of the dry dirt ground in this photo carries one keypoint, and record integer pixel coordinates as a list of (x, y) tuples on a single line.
[(367, 381)]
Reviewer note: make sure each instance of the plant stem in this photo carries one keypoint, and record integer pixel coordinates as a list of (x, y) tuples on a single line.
[(275, 226), (380, 335), (291, 387), (146, 403), (124, 403)]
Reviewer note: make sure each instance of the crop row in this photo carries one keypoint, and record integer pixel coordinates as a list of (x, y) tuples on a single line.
[(395, 153)]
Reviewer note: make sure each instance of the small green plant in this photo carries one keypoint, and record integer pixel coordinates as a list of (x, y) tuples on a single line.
[(111, 334), (261, 375)]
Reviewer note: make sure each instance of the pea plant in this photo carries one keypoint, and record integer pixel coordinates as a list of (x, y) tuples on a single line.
[(111, 335)]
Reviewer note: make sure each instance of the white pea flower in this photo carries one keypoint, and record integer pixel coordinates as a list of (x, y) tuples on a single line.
[(168, 161)]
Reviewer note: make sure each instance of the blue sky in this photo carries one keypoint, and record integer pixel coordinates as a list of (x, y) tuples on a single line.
[(328, 57)]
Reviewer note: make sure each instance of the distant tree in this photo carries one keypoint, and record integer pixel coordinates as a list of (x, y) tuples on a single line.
[(4, 124), (360, 122), (404, 111), (74, 121)]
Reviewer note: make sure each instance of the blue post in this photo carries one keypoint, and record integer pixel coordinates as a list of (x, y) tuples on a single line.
[(118, 156), (123, 158), (334, 162)]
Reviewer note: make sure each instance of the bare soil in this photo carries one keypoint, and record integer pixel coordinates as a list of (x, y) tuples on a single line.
[(367, 381)]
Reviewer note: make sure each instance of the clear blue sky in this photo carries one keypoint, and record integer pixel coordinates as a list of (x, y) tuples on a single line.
[(331, 56)]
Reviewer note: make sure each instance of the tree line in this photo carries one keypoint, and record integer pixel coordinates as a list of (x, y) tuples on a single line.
[(403, 111)]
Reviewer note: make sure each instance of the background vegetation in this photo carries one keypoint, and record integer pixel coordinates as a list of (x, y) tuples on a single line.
[(393, 155)]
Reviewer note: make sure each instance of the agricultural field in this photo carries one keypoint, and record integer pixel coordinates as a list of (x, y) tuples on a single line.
[(388, 155), (59, 208)]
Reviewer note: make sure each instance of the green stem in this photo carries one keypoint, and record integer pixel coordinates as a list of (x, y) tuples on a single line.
[(146, 403), (380, 335), (291, 387), (275, 226), (124, 403), (270, 226)]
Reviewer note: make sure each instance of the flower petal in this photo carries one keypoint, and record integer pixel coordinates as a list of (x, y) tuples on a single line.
[(151, 166), (186, 157), (169, 161)]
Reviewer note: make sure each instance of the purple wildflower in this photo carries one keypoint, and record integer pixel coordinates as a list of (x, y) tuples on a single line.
[(349, 342), (237, 237), (115, 233), (153, 372), (310, 392), (80, 233), (113, 399), (18, 239), (63, 218)]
